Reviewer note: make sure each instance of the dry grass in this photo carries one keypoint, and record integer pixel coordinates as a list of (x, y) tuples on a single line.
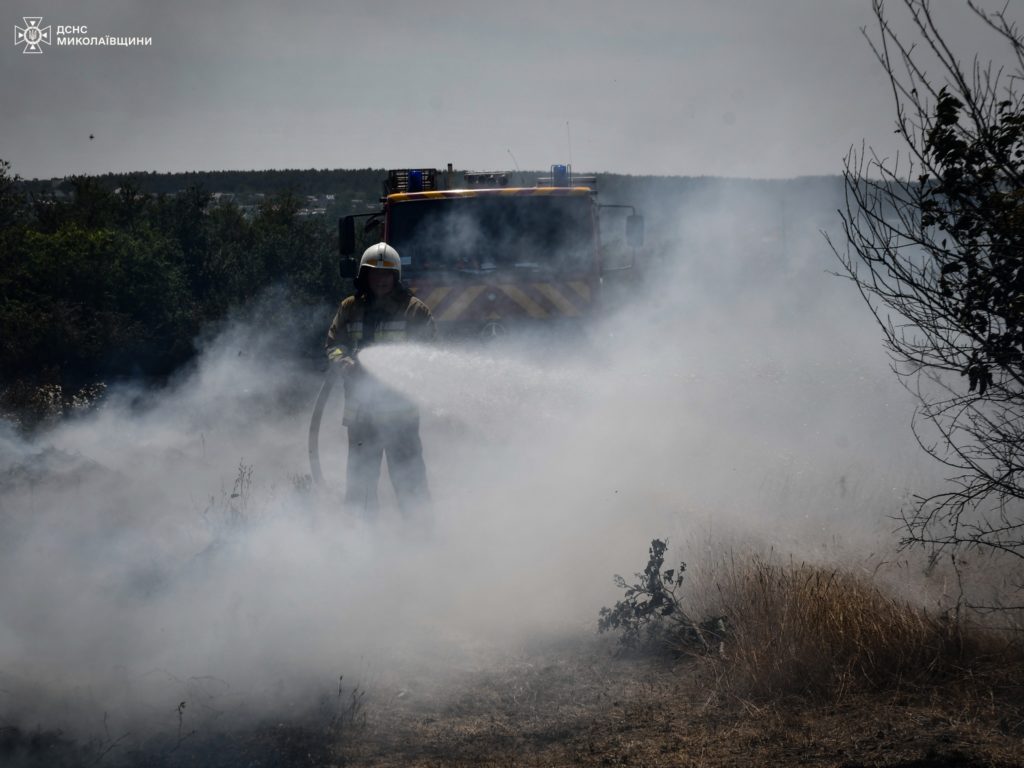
[(806, 630), (581, 704)]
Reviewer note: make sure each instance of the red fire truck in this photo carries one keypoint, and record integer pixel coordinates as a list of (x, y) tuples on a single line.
[(488, 258)]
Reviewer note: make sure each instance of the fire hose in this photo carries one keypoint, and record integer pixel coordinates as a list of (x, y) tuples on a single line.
[(334, 367), (314, 423)]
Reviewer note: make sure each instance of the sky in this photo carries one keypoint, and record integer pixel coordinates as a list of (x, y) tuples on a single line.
[(742, 88)]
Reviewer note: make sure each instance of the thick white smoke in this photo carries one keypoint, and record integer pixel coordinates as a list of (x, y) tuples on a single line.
[(169, 549)]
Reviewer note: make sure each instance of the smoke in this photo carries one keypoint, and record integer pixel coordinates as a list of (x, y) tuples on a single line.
[(168, 548)]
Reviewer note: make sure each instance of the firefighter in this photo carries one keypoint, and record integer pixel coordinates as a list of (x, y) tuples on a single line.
[(380, 421)]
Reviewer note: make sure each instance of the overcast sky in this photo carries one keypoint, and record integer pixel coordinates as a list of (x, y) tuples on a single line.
[(751, 88)]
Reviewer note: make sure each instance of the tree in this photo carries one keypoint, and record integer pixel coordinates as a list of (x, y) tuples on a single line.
[(11, 201), (935, 245)]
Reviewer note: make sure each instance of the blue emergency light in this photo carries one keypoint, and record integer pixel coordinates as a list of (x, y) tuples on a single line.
[(560, 175), (415, 181)]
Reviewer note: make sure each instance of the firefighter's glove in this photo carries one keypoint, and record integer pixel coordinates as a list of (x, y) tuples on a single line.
[(341, 358)]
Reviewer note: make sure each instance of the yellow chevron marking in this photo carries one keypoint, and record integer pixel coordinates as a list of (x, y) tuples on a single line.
[(402, 197), (582, 289), (557, 299), (436, 296), (434, 194), (462, 302), (533, 309)]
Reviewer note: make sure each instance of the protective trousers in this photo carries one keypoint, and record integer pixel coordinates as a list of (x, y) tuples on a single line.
[(399, 441)]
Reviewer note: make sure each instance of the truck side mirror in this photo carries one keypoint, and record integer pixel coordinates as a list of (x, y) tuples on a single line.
[(635, 230), (348, 268), (347, 236)]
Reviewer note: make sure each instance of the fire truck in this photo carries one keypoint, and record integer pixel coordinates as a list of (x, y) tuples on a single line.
[(489, 258)]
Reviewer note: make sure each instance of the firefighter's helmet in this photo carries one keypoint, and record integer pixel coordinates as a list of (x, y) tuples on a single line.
[(381, 256)]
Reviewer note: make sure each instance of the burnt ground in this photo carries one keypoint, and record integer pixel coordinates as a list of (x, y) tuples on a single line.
[(573, 707), (581, 705)]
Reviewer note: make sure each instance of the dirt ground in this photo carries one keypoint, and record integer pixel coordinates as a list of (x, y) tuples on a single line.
[(583, 706), (577, 703)]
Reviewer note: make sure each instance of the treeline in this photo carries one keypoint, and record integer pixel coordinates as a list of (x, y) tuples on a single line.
[(101, 284), (358, 190), (347, 184), (366, 183)]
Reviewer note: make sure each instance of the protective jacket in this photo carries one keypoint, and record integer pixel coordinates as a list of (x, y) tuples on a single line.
[(361, 321)]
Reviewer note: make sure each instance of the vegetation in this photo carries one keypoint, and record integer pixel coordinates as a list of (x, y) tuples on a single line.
[(795, 629), (800, 629), (934, 247), (651, 615), (107, 283), (345, 185)]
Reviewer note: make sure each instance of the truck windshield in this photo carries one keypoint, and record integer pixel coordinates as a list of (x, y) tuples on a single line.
[(484, 233)]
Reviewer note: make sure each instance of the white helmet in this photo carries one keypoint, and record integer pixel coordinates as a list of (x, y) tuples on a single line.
[(381, 256)]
